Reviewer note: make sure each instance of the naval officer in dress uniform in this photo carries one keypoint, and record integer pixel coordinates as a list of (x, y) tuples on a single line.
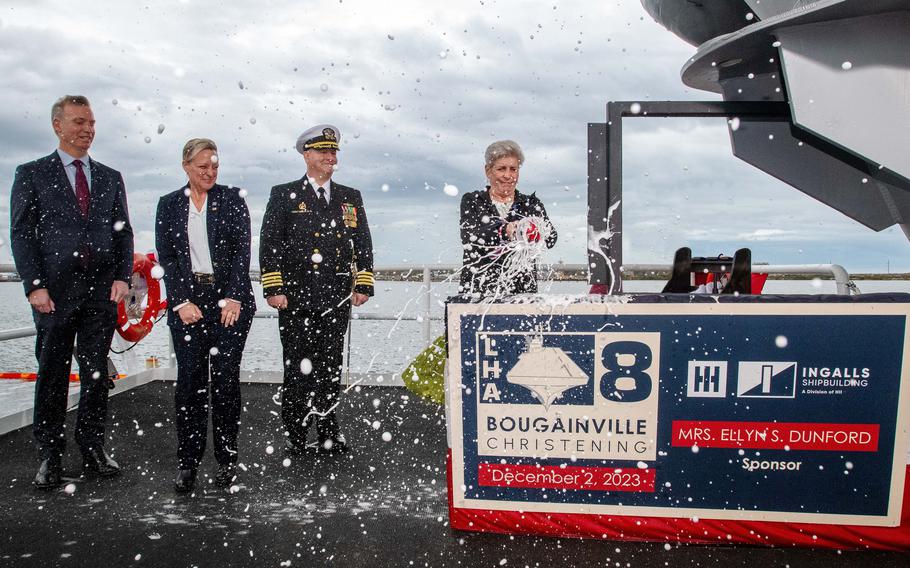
[(316, 257)]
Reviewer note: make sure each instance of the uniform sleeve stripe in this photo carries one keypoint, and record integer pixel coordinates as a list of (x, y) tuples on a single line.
[(272, 281), (268, 274), (276, 285)]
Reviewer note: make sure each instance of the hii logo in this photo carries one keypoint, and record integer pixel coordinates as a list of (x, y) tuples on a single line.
[(766, 379), (707, 379)]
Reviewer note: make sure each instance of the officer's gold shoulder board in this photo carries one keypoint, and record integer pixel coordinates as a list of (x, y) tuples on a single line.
[(349, 211)]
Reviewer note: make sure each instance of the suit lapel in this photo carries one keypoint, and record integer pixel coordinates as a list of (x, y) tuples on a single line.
[(309, 195), (212, 213), (336, 199), (98, 187), (60, 184), (181, 219)]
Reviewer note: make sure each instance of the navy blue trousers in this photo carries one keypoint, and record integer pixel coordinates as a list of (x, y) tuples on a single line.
[(90, 324), (208, 375)]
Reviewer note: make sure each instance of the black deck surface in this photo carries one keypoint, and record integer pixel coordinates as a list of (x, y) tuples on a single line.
[(383, 504)]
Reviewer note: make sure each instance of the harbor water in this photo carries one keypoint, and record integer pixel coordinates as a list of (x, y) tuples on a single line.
[(378, 347)]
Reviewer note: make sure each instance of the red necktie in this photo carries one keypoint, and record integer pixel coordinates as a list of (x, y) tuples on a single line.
[(81, 188)]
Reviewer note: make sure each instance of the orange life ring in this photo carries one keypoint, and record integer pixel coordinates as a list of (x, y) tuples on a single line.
[(134, 331)]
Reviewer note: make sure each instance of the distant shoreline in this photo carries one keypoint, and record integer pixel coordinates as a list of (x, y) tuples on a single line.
[(439, 275)]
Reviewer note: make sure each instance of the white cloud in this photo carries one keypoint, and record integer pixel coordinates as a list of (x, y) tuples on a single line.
[(409, 116)]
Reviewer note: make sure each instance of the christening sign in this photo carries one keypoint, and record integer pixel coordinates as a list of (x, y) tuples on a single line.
[(778, 409)]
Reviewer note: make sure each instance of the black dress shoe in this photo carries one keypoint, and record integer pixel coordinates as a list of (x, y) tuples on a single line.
[(49, 474), (97, 462), (185, 481), (225, 475), (292, 448), (333, 444)]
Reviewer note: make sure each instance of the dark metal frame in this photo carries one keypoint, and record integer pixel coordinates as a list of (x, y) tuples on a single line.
[(605, 168)]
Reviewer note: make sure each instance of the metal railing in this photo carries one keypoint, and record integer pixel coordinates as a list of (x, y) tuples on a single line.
[(571, 272)]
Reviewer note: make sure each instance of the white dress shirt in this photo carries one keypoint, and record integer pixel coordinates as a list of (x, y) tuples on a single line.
[(70, 169), (197, 233), (327, 187), (198, 236)]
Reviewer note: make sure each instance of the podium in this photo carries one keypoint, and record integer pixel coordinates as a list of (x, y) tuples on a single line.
[(771, 420)]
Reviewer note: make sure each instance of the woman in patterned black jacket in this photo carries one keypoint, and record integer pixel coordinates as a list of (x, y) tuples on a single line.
[(490, 220)]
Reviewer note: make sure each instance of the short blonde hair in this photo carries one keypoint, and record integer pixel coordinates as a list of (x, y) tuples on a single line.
[(503, 149), (195, 145)]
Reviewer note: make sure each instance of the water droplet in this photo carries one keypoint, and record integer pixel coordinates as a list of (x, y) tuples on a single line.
[(157, 272), (286, 462), (781, 341), (70, 488), (240, 84), (148, 139), (306, 366), (635, 108), (324, 87), (450, 190), (242, 193), (385, 187), (160, 128), (115, 102), (118, 225), (269, 450), (386, 436), (213, 351), (316, 258), (252, 120), (734, 123), (846, 66)]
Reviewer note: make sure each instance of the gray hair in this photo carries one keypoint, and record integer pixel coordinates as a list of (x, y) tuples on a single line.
[(57, 109), (503, 149), (196, 145)]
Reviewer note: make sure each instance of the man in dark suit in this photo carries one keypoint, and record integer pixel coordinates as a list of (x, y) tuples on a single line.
[(316, 256), (73, 246)]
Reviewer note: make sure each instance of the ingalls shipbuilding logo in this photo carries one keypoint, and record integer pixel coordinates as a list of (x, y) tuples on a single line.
[(707, 379), (766, 379)]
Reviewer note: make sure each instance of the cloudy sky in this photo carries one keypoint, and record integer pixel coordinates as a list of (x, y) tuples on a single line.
[(418, 90)]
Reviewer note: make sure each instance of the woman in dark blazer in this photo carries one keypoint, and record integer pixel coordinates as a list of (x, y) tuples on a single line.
[(203, 239), (491, 218)]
